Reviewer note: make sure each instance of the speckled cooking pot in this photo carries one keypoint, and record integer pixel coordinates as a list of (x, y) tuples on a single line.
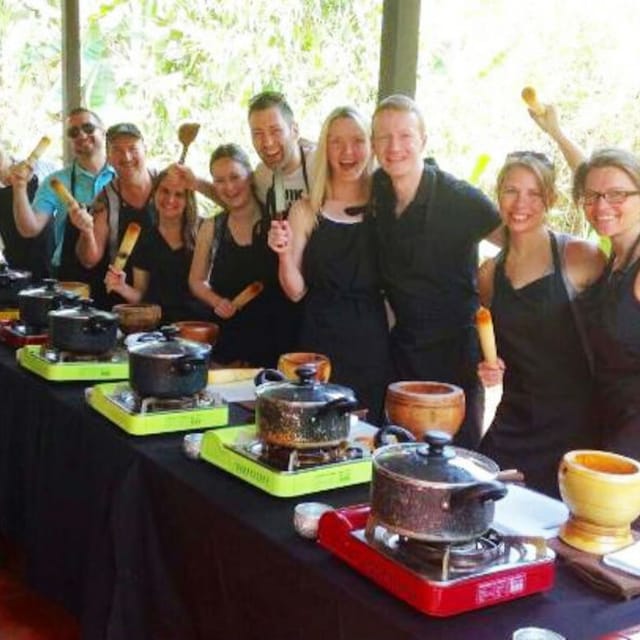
[(302, 414)]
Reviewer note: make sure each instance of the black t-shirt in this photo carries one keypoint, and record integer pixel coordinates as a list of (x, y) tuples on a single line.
[(27, 254), (429, 254), (168, 277)]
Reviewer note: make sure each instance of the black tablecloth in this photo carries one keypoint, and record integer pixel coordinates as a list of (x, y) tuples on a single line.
[(141, 542)]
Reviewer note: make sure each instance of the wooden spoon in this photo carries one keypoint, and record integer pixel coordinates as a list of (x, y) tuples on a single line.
[(187, 133), (531, 98), (247, 294)]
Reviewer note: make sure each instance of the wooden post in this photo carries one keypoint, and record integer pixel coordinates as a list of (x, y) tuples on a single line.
[(71, 75), (399, 47)]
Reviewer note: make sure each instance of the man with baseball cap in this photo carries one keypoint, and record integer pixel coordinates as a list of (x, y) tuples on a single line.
[(126, 199)]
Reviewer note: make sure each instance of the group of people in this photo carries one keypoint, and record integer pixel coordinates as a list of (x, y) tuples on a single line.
[(377, 269)]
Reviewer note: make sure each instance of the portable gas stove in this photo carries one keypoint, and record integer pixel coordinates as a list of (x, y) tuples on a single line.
[(146, 416), (287, 472), (17, 334), (440, 580), (65, 366)]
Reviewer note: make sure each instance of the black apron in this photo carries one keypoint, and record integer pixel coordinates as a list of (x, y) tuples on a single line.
[(546, 407)]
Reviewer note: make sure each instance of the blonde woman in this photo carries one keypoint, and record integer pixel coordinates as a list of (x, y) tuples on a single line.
[(327, 261), (546, 408)]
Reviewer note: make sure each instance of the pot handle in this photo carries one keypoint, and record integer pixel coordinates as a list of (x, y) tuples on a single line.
[(268, 375), (479, 492), (400, 434), (186, 364), (340, 405)]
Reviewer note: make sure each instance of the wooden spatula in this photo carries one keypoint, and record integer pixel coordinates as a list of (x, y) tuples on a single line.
[(129, 240), (187, 133), (530, 97), (39, 149), (247, 294)]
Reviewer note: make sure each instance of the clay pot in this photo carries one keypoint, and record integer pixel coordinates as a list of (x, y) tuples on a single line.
[(198, 331), (421, 406), (602, 491), (289, 362), (135, 318)]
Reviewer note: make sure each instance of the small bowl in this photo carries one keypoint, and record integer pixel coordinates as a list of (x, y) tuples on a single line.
[(198, 331), (138, 318), (306, 517), (289, 362), (82, 289), (422, 406), (191, 445)]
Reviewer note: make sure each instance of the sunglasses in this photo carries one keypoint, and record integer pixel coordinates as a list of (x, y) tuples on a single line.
[(523, 155), (86, 127)]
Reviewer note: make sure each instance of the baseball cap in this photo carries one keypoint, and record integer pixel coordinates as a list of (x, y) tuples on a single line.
[(123, 129)]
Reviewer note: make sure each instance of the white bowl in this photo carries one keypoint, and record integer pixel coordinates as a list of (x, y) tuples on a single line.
[(306, 517)]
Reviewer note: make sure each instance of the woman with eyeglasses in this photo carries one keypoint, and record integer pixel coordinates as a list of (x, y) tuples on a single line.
[(162, 257), (543, 363), (607, 187), (327, 261)]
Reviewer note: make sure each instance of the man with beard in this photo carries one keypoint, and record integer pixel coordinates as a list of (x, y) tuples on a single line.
[(275, 137), (85, 177)]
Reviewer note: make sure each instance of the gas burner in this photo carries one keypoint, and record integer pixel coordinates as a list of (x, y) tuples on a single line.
[(293, 459), (133, 403), (57, 356), (447, 561)]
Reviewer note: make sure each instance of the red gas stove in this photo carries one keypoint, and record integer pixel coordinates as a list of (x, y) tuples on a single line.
[(439, 580), (17, 334)]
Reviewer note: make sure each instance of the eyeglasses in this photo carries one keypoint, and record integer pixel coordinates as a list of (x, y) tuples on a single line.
[(520, 155), (85, 127), (614, 196)]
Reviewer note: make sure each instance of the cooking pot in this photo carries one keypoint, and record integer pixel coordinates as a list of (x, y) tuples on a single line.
[(302, 414), (11, 283), (83, 329), (433, 492), (36, 302), (165, 366)]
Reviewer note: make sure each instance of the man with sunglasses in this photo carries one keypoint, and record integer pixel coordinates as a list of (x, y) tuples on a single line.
[(85, 177)]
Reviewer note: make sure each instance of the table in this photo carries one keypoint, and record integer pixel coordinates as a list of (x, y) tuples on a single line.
[(141, 542)]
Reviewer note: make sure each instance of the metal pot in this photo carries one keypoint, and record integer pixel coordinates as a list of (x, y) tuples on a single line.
[(36, 302), (302, 414), (165, 366), (11, 283), (433, 492), (83, 329)]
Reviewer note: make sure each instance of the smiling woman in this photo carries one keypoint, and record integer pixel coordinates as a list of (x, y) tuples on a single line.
[(546, 407)]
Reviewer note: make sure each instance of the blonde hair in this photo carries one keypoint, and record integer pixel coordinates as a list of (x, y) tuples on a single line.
[(400, 102), (539, 165), (321, 181)]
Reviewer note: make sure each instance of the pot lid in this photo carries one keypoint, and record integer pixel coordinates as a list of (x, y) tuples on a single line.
[(435, 460), (166, 344), (304, 390), (84, 312), (8, 275), (48, 290)]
